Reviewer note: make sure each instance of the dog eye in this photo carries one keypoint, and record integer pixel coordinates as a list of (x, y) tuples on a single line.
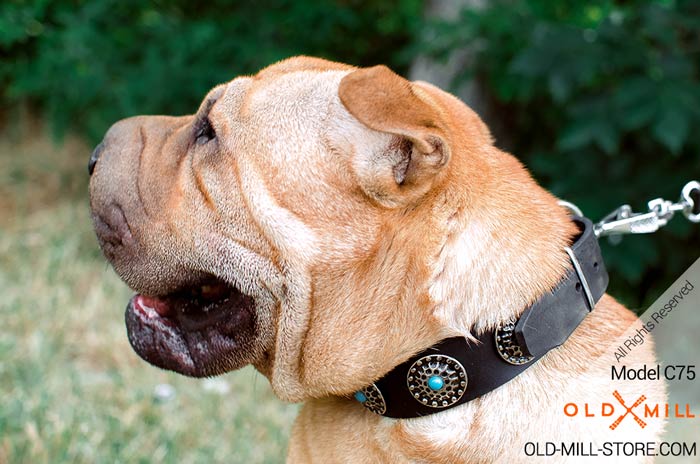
[(204, 132)]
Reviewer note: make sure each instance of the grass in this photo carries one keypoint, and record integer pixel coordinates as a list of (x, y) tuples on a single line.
[(71, 388)]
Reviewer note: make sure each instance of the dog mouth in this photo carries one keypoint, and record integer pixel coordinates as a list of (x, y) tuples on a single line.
[(201, 330)]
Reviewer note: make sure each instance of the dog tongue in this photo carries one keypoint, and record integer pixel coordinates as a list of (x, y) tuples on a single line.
[(160, 306)]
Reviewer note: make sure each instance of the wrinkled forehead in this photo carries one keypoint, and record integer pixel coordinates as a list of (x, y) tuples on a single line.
[(291, 101), (281, 124), (278, 132)]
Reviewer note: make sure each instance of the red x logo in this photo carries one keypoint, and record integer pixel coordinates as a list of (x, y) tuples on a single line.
[(628, 410)]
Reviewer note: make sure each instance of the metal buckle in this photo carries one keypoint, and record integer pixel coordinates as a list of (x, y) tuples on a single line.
[(582, 278)]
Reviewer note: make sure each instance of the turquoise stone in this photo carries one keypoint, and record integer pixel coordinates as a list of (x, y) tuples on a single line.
[(436, 383), (359, 396)]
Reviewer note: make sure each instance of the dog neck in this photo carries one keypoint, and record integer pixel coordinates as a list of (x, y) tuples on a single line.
[(503, 248), (501, 252), (456, 371)]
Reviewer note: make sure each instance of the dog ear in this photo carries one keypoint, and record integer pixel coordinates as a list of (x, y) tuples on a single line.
[(385, 102)]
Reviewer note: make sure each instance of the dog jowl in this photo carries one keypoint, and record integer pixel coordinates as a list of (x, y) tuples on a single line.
[(325, 223)]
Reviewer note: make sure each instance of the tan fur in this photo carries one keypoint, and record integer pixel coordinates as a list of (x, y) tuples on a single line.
[(353, 272)]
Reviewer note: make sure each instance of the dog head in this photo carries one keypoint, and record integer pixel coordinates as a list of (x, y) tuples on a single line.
[(295, 222)]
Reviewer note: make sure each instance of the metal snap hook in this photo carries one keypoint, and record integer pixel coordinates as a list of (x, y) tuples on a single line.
[(689, 205)]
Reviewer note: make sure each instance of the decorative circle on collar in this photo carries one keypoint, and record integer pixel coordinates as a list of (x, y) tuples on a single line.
[(372, 399), (508, 347), (436, 380)]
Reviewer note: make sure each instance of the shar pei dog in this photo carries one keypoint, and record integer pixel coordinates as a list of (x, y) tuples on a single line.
[(360, 240)]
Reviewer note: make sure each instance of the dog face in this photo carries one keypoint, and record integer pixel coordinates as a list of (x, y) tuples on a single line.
[(293, 222)]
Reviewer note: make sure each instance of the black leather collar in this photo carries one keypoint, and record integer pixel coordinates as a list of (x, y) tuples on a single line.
[(455, 370)]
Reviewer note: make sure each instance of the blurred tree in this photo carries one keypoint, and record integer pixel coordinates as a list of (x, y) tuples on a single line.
[(85, 64), (601, 99)]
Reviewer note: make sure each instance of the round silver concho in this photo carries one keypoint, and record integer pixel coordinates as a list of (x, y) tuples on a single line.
[(508, 347), (449, 374), (374, 400)]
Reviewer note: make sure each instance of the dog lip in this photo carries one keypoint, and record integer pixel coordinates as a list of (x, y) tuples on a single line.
[(156, 339), (170, 334)]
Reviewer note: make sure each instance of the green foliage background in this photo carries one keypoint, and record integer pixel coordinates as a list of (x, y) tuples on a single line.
[(601, 99), (87, 64)]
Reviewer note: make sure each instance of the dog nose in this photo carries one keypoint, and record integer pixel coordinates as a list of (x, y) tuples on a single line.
[(94, 156)]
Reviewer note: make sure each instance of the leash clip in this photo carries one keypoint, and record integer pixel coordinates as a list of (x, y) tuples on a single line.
[(624, 221)]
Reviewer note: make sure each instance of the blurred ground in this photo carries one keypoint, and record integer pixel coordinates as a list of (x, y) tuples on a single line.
[(71, 388)]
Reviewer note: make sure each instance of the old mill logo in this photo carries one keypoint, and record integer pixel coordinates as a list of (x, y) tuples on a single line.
[(628, 410), (638, 410)]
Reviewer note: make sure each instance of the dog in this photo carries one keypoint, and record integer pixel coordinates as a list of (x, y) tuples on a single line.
[(327, 223)]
